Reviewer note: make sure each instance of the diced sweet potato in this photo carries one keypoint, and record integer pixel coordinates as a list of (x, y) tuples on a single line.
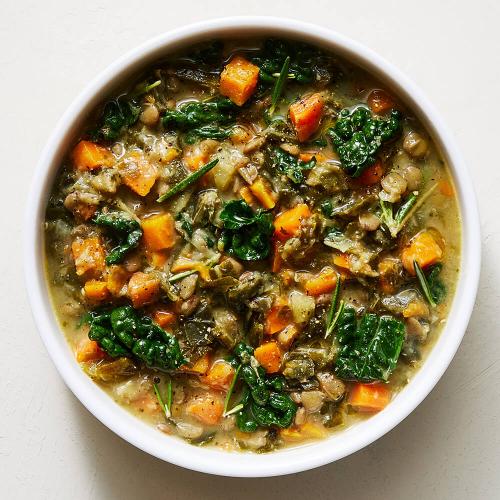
[(220, 375), (265, 195), (164, 318), (138, 173), (287, 224), (424, 249), (278, 317), (206, 408), (159, 232), (369, 397), (238, 80), (89, 255), (372, 175), (306, 114), (308, 430), (96, 291), (116, 279), (89, 155), (380, 101), (416, 309), (199, 367), (143, 288), (269, 356), (89, 350), (157, 259), (324, 282)]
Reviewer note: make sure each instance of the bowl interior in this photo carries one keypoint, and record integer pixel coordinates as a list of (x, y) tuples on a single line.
[(211, 460)]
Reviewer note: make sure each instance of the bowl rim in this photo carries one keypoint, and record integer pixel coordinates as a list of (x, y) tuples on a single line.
[(215, 461)]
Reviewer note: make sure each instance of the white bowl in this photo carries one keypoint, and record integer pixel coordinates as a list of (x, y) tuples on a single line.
[(210, 460)]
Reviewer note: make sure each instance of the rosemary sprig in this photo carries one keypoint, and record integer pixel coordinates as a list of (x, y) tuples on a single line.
[(185, 183), (238, 407), (279, 85), (166, 406)]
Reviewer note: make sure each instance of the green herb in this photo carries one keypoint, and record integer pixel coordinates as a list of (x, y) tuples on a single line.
[(278, 86), (306, 62), (230, 393), (432, 287), (186, 223), (125, 230), (358, 135), (369, 350), (165, 406), (179, 276), (335, 310), (264, 402), (190, 179), (291, 166), (396, 222), (194, 118), (207, 132), (122, 332), (247, 234), (120, 114)]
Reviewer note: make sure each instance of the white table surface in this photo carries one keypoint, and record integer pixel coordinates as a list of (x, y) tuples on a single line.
[(51, 447)]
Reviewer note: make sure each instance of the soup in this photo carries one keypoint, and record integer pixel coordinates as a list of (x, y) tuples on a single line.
[(253, 245)]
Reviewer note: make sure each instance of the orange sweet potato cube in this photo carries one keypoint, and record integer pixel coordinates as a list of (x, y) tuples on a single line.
[(306, 114), (159, 232), (143, 288), (238, 80)]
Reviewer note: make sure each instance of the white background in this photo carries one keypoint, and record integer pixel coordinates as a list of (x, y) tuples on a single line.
[(51, 447)]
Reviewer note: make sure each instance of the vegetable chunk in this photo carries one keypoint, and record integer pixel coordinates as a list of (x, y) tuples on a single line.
[(159, 232), (287, 223), (138, 174), (89, 256), (89, 156), (369, 397), (306, 115), (269, 356), (143, 288), (207, 409), (423, 249), (238, 80)]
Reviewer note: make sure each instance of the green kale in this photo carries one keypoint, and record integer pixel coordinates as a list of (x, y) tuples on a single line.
[(246, 234), (264, 402), (291, 166), (369, 350), (194, 115), (205, 54), (307, 63), (125, 230), (120, 113), (207, 132), (122, 332), (358, 135), (432, 287)]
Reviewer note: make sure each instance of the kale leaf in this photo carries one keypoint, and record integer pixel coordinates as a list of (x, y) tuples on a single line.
[(437, 287), (369, 350), (117, 115), (264, 402), (432, 287), (247, 234), (291, 166), (121, 113), (207, 132), (125, 230), (307, 63), (122, 332), (192, 116), (358, 135)]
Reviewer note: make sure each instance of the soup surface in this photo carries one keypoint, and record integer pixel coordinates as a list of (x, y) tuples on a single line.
[(252, 245)]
